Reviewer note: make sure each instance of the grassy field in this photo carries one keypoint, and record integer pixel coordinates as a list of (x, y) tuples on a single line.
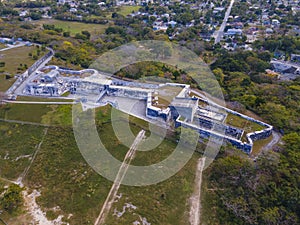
[(165, 203), (70, 187), (126, 10), (2, 46), (16, 56), (17, 144), (5, 83), (74, 27), (24, 112), (208, 202), (239, 122), (41, 99), (65, 179)]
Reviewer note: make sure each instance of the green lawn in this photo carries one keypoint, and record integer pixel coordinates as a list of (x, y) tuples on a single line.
[(16, 141), (66, 180), (5, 83), (24, 112), (74, 27), (165, 203), (16, 56), (242, 123), (41, 99), (126, 10)]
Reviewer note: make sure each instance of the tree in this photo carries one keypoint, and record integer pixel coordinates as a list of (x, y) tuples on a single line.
[(219, 75), (66, 34), (275, 113), (86, 33), (12, 199)]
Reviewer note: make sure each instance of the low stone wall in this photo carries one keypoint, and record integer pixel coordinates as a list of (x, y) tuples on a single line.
[(251, 137), (126, 92), (39, 62), (205, 133)]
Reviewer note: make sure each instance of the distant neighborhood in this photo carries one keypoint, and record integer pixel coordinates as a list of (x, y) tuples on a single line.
[(229, 25)]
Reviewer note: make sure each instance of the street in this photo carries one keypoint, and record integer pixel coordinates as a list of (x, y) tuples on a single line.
[(218, 35)]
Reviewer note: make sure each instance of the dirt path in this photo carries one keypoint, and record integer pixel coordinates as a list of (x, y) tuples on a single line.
[(116, 185), (276, 138), (38, 215), (195, 200), (24, 122)]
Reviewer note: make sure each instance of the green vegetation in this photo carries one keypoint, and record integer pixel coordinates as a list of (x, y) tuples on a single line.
[(41, 99), (17, 60), (286, 44), (261, 192), (143, 70), (239, 122), (165, 203), (243, 81), (30, 112), (236, 190), (126, 10), (5, 82), (258, 145), (17, 145), (59, 115), (10, 200), (66, 180), (74, 27)]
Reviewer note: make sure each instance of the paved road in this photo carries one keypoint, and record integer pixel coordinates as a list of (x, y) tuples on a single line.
[(13, 46), (218, 35), (288, 63), (121, 174), (276, 138)]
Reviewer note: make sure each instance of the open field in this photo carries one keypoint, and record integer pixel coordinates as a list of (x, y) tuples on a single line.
[(126, 10), (66, 180), (71, 188), (17, 144), (74, 27), (24, 112), (165, 203), (16, 56), (41, 99), (2, 46), (5, 83)]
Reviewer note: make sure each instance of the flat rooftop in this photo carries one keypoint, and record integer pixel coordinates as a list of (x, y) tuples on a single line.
[(189, 103)]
